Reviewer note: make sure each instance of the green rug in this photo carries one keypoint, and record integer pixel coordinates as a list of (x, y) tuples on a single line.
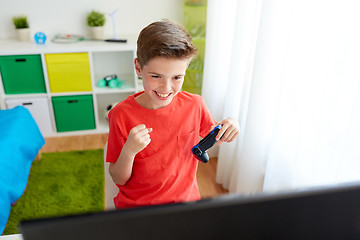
[(61, 184)]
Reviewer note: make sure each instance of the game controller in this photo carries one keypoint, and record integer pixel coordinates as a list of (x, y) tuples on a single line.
[(200, 149)]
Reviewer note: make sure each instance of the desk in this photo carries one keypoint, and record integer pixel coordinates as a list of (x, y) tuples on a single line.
[(11, 237)]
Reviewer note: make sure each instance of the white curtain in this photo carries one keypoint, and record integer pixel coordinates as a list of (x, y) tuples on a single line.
[(289, 71)]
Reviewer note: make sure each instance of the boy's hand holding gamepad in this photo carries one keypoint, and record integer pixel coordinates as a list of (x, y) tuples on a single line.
[(224, 131), (229, 131), (138, 139)]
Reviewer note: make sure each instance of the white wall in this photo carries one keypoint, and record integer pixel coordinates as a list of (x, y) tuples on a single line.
[(69, 16)]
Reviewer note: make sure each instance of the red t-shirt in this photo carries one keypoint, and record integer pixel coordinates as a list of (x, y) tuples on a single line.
[(165, 171)]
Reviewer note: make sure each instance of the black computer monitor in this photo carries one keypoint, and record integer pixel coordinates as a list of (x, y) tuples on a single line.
[(322, 213)]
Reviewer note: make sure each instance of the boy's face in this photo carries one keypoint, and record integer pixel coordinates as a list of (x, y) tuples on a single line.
[(162, 80)]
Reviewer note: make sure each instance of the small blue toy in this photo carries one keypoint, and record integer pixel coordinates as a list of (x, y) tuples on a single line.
[(40, 38), (200, 149)]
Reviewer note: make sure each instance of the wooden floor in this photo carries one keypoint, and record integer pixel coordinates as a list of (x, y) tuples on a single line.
[(74, 143), (206, 172), (206, 176)]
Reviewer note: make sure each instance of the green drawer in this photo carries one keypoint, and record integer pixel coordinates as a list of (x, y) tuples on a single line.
[(73, 113), (22, 74)]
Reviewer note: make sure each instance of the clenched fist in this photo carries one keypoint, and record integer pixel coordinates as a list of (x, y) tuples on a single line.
[(138, 139)]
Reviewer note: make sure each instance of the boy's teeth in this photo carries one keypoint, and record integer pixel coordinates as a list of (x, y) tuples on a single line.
[(162, 95)]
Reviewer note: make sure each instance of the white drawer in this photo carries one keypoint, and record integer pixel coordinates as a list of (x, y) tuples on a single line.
[(39, 109)]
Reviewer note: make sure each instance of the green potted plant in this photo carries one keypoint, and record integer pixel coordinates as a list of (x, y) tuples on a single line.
[(22, 28), (96, 21)]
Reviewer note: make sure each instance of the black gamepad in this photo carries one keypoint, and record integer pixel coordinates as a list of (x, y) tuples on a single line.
[(200, 149)]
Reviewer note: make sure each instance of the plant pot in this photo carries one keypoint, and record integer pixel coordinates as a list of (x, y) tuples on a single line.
[(23, 34), (97, 33)]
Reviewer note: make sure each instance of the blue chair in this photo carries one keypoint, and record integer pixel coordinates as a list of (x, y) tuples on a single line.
[(20, 142)]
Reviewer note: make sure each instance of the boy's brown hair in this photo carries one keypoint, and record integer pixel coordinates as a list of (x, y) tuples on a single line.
[(164, 39)]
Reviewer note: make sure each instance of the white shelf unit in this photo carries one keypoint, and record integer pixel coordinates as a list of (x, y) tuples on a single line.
[(104, 59)]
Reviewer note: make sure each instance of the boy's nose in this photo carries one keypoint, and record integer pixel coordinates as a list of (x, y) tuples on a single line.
[(166, 85)]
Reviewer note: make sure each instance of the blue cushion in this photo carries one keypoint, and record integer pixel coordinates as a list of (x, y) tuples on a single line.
[(20, 142)]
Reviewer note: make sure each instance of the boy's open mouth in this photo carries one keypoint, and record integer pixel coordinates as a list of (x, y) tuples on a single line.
[(162, 95)]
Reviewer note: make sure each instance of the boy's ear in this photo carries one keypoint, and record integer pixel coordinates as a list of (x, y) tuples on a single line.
[(137, 67)]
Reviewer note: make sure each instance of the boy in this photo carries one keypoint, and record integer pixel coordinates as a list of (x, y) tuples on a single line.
[(152, 132)]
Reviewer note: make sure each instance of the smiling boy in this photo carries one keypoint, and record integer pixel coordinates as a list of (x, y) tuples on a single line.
[(152, 132)]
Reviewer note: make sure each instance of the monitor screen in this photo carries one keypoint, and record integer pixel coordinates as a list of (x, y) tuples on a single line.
[(322, 213)]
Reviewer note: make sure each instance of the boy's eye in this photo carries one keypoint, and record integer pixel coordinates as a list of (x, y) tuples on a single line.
[(155, 76), (178, 77)]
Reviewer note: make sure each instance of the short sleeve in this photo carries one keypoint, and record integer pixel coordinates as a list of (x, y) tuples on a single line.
[(115, 140), (207, 120)]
